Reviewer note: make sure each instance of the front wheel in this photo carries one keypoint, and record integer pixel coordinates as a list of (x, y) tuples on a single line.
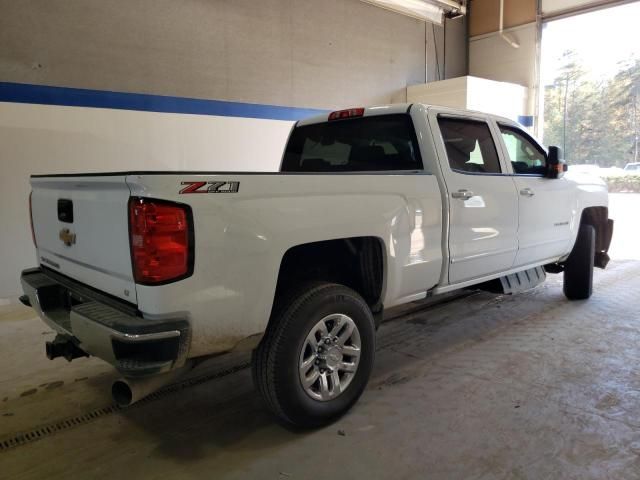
[(578, 269), (316, 357)]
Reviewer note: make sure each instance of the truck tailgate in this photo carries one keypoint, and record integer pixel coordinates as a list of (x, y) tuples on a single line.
[(81, 230)]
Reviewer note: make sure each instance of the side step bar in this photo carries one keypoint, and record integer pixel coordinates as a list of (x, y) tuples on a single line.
[(515, 282), (525, 280)]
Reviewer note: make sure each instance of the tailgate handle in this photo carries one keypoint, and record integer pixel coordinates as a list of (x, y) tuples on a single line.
[(65, 210)]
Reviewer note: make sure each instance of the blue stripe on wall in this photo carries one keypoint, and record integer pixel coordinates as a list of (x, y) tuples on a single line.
[(79, 97)]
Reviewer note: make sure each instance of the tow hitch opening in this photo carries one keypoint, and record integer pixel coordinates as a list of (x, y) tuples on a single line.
[(63, 346)]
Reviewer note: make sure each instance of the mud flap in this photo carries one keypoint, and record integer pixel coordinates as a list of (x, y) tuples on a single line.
[(601, 260), (603, 241)]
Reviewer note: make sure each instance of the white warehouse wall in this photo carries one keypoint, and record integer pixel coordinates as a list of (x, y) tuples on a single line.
[(491, 57), (473, 93), (55, 139)]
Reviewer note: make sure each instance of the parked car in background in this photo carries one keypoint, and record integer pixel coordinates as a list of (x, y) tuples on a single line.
[(632, 168)]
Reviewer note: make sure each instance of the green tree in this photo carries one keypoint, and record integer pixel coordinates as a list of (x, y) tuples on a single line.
[(567, 103), (596, 122), (624, 95)]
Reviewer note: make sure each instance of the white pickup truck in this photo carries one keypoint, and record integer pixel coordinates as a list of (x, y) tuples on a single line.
[(372, 208)]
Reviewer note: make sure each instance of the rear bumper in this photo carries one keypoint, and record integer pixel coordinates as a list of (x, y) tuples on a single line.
[(105, 327)]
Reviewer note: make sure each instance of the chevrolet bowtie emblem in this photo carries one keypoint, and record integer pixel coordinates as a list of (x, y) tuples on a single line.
[(67, 237)]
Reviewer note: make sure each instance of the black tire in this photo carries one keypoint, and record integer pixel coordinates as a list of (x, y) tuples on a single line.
[(275, 361), (578, 269)]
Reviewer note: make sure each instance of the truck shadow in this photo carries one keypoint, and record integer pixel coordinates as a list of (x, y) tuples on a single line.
[(224, 421)]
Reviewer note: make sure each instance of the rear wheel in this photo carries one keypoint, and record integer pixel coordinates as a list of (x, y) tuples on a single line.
[(316, 357), (578, 269)]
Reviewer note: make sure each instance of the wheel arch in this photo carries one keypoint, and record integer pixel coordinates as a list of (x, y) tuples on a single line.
[(356, 262)]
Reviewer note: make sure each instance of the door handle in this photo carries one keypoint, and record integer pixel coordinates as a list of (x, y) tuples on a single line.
[(527, 192), (462, 194)]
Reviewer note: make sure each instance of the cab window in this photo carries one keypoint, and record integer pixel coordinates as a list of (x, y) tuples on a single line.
[(527, 158), (470, 146), (367, 144)]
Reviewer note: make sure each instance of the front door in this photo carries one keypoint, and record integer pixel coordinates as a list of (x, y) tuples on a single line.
[(544, 229), (483, 203)]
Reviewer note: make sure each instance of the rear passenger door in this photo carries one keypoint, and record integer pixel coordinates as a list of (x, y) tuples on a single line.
[(483, 203)]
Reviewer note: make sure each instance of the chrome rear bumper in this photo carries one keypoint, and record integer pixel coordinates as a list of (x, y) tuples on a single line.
[(105, 327)]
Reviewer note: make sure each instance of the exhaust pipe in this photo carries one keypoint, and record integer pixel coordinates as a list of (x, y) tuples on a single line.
[(127, 391)]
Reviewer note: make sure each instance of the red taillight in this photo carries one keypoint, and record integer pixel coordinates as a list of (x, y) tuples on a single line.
[(348, 113), (33, 233), (161, 240)]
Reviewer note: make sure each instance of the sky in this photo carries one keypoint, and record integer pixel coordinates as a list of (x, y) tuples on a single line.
[(601, 39)]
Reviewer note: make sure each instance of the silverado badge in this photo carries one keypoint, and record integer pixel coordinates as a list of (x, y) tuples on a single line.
[(67, 237)]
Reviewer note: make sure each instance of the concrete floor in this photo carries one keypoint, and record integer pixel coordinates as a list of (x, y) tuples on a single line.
[(487, 386)]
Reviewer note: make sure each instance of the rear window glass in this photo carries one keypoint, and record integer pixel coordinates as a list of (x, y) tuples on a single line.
[(380, 143)]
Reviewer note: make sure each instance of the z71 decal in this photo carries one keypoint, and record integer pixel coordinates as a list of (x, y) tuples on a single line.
[(210, 187)]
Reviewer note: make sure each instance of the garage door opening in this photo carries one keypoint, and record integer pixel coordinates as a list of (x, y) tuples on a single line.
[(590, 105)]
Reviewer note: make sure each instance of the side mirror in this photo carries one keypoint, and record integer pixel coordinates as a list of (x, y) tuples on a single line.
[(556, 166)]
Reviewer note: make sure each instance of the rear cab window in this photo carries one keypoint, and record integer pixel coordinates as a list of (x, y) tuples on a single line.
[(366, 144)]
